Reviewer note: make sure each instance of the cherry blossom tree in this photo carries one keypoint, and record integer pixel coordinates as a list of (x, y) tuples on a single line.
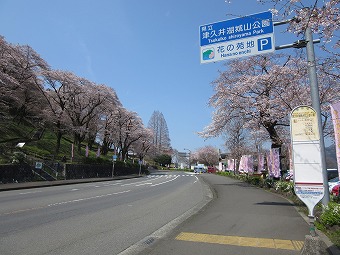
[(261, 91), (55, 92), (105, 111), (76, 104), (128, 131), (236, 139), (207, 155), (143, 145), (323, 17), (67, 103), (19, 83), (83, 106)]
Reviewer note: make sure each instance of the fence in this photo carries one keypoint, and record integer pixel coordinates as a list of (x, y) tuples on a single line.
[(16, 173), (72, 171)]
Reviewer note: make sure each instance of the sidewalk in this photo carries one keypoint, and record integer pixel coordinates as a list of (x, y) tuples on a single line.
[(30, 185), (240, 220)]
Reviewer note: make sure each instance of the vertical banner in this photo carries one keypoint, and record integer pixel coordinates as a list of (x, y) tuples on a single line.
[(335, 110), (87, 151), (260, 163), (290, 157), (72, 151), (273, 163), (275, 152), (246, 164), (98, 152), (249, 164), (231, 166), (241, 165), (269, 163)]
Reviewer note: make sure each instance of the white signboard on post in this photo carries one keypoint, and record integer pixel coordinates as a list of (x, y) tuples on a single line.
[(241, 37), (308, 178)]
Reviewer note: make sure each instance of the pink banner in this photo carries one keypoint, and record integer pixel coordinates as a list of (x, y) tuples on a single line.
[(241, 165), (246, 164), (98, 152), (290, 157), (269, 163), (335, 110), (87, 151), (250, 164), (276, 162), (231, 166), (260, 163)]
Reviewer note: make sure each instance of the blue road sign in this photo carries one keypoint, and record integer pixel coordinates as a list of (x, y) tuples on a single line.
[(235, 29), (246, 36)]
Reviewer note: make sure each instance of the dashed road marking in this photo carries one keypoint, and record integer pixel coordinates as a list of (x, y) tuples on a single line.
[(171, 175), (242, 241)]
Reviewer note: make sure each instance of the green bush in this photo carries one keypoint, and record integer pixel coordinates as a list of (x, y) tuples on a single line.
[(96, 160), (268, 183), (284, 186), (225, 173), (254, 180), (330, 215), (18, 158), (335, 199)]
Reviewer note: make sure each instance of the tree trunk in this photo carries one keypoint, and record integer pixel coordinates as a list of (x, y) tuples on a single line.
[(59, 136)]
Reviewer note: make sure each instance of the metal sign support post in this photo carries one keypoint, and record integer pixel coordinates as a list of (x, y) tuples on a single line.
[(309, 44), (316, 105), (113, 168), (114, 158), (312, 225)]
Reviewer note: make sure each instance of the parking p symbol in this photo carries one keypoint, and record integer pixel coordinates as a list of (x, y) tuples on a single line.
[(264, 44)]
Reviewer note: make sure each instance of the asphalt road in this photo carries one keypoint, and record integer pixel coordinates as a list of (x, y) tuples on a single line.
[(96, 218)]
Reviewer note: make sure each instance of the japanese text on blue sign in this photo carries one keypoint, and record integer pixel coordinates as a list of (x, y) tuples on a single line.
[(236, 29)]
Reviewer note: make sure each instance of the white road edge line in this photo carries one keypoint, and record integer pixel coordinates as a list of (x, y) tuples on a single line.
[(87, 198)]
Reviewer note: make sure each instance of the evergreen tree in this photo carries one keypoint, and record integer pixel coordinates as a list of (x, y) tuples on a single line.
[(157, 124)]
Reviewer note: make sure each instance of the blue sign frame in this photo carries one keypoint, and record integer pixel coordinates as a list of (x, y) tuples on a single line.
[(236, 29)]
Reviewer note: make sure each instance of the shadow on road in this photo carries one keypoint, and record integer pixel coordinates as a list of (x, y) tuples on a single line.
[(275, 203)]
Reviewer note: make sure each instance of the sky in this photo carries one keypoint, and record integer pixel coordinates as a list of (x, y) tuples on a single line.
[(147, 51)]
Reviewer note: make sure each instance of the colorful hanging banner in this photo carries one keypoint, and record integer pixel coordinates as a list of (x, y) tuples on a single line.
[(269, 163), (275, 162), (72, 151), (87, 151), (335, 110), (260, 163)]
